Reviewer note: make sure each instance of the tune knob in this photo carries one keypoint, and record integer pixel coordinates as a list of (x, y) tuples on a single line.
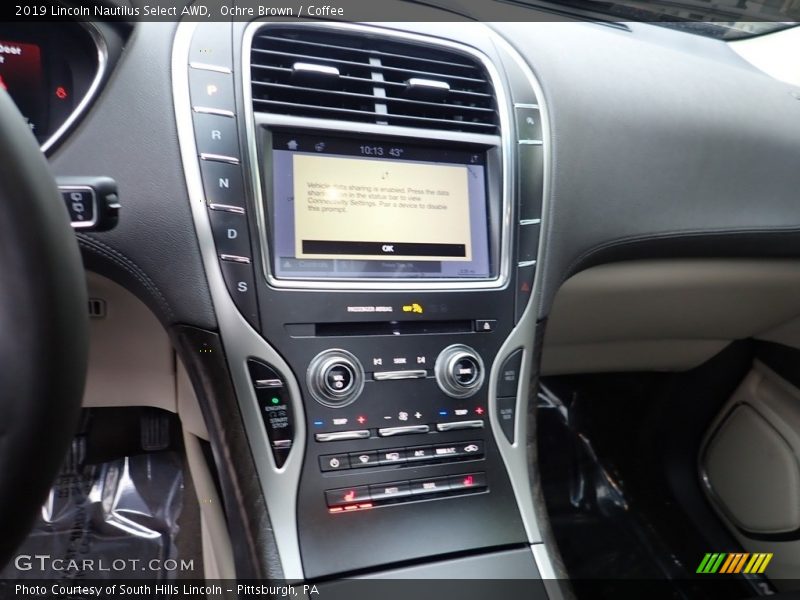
[(459, 371), (335, 378)]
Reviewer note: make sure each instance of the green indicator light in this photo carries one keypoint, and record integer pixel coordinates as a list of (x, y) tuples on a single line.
[(276, 401)]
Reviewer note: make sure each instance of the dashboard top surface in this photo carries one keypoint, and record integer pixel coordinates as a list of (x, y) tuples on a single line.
[(645, 123)]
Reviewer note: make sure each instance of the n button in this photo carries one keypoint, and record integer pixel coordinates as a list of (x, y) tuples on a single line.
[(222, 183)]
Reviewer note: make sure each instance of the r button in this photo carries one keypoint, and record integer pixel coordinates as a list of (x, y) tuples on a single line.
[(216, 135)]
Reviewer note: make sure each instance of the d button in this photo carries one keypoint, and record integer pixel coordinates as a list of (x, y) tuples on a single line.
[(230, 232)]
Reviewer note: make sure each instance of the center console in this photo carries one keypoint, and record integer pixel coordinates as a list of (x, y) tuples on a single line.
[(368, 202)]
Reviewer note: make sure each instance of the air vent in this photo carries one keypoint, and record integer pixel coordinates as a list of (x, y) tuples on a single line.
[(309, 72)]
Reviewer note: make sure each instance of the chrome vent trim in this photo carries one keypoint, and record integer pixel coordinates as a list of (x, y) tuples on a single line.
[(318, 73)]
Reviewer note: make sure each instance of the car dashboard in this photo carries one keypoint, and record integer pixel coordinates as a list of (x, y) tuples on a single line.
[(354, 235)]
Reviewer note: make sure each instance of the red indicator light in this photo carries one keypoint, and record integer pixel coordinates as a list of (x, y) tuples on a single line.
[(525, 287), (351, 507), (61, 93), (350, 496), (479, 410), (362, 419), (469, 481), (3, 83)]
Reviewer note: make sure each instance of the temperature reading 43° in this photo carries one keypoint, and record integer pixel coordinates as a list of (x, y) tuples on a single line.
[(396, 152)]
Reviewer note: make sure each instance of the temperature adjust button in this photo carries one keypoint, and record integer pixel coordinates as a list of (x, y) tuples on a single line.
[(459, 371), (339, 377), (335, 378)]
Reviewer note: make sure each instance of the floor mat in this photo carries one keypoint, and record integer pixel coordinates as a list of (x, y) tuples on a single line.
[(110, 520)]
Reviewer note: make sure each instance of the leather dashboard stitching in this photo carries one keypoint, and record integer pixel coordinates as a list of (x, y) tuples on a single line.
[(123, 261), (672, 235)]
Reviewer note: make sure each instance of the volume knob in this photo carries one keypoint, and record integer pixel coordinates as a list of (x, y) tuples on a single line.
[(335, 378), (459, 371)]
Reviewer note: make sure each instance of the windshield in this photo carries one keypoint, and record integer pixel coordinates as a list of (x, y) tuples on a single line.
[(729, 19)]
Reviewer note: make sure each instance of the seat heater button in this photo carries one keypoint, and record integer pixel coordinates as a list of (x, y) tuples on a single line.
[(347, 496), (468, 481)]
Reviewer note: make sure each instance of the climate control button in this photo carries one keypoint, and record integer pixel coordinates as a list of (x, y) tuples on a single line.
[(335, 378), (459, 371)]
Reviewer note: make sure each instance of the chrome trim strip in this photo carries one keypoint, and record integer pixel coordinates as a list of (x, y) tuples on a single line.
[(515, 456), (525, 222), (428, 83), (553, 587), (303, 67), (523, 105), (407, 430), (219, 158), (395, 375), (233, 258), (227, 208), (338, 436), (526, 263), (207, 67), (213, 111), (504, 142), (263, 384), (385, 130), (94, 87), (530, 142), (543, 562), (457, 425), (279, 485)]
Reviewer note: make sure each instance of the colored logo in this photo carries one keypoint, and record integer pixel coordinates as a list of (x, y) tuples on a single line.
[(413, 308), (737, 562)]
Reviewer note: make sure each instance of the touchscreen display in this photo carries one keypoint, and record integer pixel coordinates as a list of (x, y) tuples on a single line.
[(348, 208)]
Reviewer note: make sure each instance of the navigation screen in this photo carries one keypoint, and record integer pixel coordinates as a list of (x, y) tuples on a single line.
[(344, 208)]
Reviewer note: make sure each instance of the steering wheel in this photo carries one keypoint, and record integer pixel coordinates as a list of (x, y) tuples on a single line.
[(44, 328)]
